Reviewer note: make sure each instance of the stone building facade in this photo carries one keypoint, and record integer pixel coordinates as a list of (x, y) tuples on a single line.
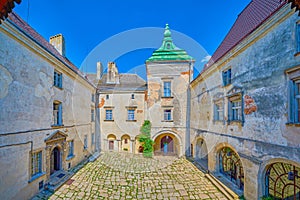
[(47, 106), (121, 108), (245, 104)]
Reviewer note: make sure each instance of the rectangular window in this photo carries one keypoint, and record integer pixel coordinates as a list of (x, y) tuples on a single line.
[(294, 101), (219, 111), (298, 37), (167, 89), (57, 79), (57, 113), (235, 110), (93, 97), (130, 114), (71, 148), (226, 76), (132, 96), (36, 163), (92, 115), (93, 138), (85, 142), (167, 115), (108, 115), (107, 97)]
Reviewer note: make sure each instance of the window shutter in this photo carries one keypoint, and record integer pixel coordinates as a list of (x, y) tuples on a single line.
[(229, 76), (298, 37), (291, 101), (224, 78), (215, 112), (60, 114), (60, 81), (40, 161), (229, 111)]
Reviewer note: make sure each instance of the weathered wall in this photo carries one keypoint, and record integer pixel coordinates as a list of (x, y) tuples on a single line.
[(178, 75), (258, 67), (119, 102), (26, 100)]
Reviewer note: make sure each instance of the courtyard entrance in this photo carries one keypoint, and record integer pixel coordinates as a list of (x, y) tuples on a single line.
[(166, 144)]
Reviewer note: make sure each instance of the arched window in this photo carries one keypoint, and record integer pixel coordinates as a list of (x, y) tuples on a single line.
[(282, 181), (231, 166)]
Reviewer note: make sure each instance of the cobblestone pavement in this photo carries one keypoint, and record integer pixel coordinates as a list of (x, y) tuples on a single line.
[(128, 176)]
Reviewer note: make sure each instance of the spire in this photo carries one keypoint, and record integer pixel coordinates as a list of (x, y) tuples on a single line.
[(167, 34), (167, 44), (168, 51)]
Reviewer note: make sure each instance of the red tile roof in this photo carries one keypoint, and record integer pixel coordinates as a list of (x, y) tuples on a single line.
[(6, 7), (29, 31), (248, 20)]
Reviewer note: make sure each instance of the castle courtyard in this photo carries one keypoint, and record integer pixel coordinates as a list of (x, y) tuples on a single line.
[(129, 176)]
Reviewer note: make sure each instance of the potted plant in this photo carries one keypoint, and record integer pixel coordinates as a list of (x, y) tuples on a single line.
[(145, 139)]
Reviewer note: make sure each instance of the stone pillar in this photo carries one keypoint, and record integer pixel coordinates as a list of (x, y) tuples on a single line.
[(251, 170), (132, 146), (117, 145)]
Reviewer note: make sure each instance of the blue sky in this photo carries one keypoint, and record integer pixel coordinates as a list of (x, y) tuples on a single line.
[(86, 24)]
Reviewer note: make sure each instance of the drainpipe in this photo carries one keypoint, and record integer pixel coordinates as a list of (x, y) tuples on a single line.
[(97, 123), (188, 116)]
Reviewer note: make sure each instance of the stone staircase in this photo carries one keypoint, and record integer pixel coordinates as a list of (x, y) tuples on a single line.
[(57, 179), (228, 192)]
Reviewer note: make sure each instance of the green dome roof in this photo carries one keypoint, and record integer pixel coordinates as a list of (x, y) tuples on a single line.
[(168, 51)]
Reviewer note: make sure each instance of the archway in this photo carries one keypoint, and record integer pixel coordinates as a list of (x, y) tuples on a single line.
[(201, 153), (166, 144), (125, 143), (55, 160), (231, 166), (111, 138), (282, 181)]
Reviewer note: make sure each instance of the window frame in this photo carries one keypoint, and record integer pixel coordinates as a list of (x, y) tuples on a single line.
[(92, 115), (111, 114), (237, 98), (85, 142), (167, 88), (227, 77), (70, 148), (57, 79), (168, 115), (217, 105), (57, 114), (293, 95), (36, 170), (130, 112)]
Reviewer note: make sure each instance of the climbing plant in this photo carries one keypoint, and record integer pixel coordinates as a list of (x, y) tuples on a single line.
[(145, 139)]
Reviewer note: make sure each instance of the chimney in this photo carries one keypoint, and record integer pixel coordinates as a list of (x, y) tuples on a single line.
[(58, 42), (112, 74), (99, 70)]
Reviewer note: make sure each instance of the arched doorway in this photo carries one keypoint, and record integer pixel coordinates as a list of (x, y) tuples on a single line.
[(125, 143), (111, 138), (282, 181), (166, 144), (201, 153), (231, 166), (55, 160)]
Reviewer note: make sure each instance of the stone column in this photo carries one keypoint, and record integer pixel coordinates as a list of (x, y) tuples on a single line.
[(132, 150)]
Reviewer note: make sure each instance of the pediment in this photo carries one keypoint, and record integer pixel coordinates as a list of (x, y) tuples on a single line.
[(57, 135), (218, 96), (234, 91)]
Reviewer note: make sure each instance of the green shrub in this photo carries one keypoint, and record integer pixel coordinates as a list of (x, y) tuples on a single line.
[(145, 139)]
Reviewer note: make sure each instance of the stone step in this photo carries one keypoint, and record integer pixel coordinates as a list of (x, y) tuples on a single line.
[(223, 188)]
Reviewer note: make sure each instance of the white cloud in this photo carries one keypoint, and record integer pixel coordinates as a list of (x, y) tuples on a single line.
[(206, 58)]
